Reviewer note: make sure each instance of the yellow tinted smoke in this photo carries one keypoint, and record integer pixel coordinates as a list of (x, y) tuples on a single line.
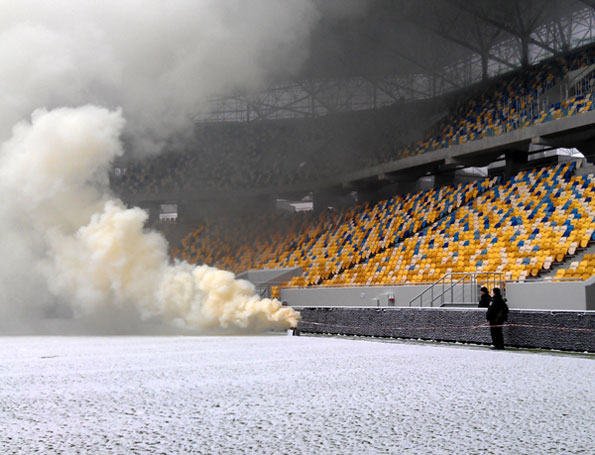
[(97, 255)]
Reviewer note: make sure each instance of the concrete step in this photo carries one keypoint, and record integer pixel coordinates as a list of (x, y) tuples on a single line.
[(578, 256)]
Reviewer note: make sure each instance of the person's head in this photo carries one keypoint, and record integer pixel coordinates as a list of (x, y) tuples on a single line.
[(484, 290), (496, 292)]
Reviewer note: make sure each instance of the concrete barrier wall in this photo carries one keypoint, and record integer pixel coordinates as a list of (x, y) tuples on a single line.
[(530, 295), (547, 295), (563, 330), (273, 276), (353, 296), (590, 293)]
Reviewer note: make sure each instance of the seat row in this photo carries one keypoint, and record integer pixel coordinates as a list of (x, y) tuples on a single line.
[(518, 229)]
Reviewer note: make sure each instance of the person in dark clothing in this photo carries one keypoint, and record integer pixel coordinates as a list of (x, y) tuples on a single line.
[(485, 299), (496, 315)]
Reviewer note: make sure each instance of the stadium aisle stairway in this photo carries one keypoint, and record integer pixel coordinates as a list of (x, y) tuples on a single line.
[(578, 270)]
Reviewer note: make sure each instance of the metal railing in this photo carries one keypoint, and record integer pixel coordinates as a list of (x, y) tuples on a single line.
[(370, 285), (457, 288), (582, 83), (264, 292)]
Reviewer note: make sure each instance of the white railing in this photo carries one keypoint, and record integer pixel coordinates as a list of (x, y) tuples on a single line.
[(457, 288)]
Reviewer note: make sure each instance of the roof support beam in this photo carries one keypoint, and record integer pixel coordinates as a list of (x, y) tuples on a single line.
[(422, 66), (309, 86), (590, 3), (502, 25), (375, 82), (461, 43)]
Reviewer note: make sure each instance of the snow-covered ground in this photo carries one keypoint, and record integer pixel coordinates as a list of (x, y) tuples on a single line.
[(285, 395)]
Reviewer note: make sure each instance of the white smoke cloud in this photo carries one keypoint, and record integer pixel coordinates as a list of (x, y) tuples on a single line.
[(78, 246), (68, 247), (158, 60)]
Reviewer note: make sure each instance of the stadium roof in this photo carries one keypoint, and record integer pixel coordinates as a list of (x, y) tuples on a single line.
[(413, 49), (413, 36)]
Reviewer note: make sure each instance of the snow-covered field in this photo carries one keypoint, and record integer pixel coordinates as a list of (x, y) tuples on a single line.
[(285, 395)]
